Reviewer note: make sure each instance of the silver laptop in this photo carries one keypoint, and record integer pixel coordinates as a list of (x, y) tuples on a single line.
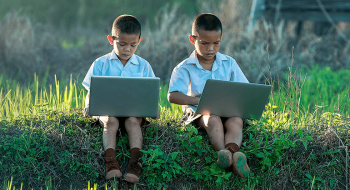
[(124, 96), (233, 99)]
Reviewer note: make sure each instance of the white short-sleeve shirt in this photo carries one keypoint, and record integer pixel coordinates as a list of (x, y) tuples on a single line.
[(110, 65), (189, 76)]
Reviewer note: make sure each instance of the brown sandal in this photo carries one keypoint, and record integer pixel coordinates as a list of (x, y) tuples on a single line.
[(134, 168), (112, 165)]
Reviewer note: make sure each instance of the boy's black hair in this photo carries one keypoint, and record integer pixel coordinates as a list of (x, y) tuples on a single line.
[(126, 24), (206, 21)]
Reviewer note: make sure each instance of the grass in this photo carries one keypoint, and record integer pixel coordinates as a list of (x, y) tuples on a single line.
[(46, 143), (34, 99), (315, 90)]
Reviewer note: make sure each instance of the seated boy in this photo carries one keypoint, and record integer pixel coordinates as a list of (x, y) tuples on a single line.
[(122, 61), (187, 82)]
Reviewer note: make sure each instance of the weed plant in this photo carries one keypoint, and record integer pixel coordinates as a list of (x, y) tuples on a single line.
[(46, 142)]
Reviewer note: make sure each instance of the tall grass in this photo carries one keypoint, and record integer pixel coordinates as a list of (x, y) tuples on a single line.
[(315, 90), (36, 98), (318, 89)]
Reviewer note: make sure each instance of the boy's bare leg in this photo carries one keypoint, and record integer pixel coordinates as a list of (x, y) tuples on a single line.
[(233, 140), (234, 129), (213, 126), (133, 128), (110, 128), (215, 130)]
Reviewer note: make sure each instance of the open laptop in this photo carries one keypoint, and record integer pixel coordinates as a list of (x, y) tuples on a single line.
[(124, 96), (233, 99)]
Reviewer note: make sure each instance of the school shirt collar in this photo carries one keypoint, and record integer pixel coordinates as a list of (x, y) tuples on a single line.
[(217, 63), (132, 59)]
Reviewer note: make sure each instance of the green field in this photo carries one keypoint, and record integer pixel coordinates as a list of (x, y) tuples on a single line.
[(300, 141)]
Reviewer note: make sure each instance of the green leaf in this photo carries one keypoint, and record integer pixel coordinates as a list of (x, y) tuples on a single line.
[(228, 175), (305, 144), (277, 171), (260, 155), (309, 176), (219, 181), (208, 159), (206, 172), (156, 165), (267, 161), (300, 133), (173, 155)]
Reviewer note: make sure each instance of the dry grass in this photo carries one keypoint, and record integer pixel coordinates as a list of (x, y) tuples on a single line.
[(27, 47)]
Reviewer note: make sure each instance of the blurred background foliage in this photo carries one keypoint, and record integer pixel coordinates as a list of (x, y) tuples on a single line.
[(64, 37), (96, 14)]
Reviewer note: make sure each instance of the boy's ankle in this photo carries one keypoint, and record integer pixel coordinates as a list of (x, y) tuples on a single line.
[(111, 164), (134, 168), (232, 147), (135, 154)]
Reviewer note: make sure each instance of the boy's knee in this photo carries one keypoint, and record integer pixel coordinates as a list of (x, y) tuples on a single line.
[(132, 121), (212, 121), (109, 122), (236, 121)]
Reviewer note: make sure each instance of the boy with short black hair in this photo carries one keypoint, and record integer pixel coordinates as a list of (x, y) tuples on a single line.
[(126, 36), (187, 82)]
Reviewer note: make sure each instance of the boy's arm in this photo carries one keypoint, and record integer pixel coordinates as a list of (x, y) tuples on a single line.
[(182, 99), (178, 87)]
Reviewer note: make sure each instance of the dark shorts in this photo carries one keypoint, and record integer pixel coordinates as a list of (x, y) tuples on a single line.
[(121, 120)]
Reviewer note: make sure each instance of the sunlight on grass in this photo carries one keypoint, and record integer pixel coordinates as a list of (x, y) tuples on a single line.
[(34, 99), (317, 90)]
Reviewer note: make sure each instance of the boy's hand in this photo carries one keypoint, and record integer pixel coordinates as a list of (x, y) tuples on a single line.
[(182, 99), (198, 98)]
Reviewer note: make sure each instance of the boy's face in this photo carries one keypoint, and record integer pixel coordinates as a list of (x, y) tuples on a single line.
[(124, 45), (207, 43)]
